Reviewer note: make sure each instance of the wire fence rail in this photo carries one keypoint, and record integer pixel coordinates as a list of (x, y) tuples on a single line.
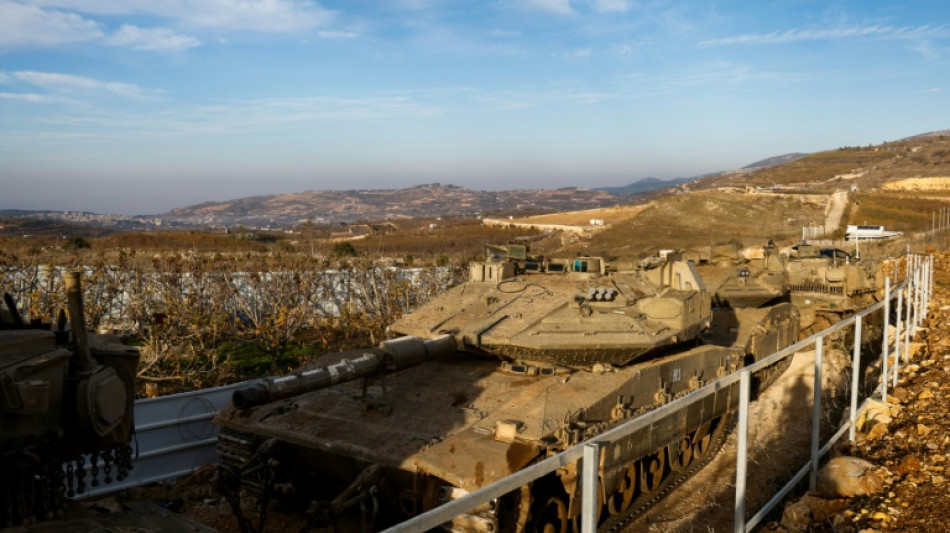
[(912, 295)]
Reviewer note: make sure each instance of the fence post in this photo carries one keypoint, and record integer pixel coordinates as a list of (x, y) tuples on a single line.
[(930, 284), (915, 294), (923, 293), (897, 335), (742, 451), (908, 320), (589, 488), (816, 415), (924, 290), (885, 348), (855, 374)]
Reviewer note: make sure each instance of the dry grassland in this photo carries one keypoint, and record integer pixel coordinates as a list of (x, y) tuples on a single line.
[(706, 218), (610, 215)]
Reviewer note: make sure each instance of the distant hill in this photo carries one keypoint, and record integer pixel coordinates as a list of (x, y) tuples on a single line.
[(938, 133), (643, 186), (422, 201), (776, 160)]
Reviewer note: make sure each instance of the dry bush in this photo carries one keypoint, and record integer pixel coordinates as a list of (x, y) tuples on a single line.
[(209, 319)]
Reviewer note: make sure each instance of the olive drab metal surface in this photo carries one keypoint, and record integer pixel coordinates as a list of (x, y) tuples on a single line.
[(750, 278), (831, 281), (529, 357), (60, 402)]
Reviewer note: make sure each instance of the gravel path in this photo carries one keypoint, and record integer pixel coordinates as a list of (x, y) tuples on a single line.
[(836, 205)]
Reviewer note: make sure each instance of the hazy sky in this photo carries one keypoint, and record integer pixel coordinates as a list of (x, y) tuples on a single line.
[(138, 106)]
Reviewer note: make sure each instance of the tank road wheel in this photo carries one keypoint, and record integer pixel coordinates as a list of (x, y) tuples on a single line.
[(701, 440), (681, 454), (553, 517), (619, 502), (651, 471)]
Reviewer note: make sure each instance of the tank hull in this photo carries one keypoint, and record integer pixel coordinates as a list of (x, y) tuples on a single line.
[(458, 423)]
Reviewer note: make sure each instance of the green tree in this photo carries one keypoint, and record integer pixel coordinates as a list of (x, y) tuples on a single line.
[(75, 242), (344, 249)]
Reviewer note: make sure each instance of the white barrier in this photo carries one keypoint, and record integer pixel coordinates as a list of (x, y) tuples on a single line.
[(174, 436)]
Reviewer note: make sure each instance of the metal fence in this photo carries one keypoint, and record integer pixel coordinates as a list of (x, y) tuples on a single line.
[(912, 296)]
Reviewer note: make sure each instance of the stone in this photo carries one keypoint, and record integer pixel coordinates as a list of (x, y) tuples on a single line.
[(875, 411), (900, 394), (910, 464), (923, 430), (915, 348), (877, 431), (847, 477), (925, 395), (801, 514)]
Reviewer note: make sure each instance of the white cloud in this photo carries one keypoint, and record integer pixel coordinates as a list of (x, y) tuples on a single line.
[(560, 7), (577, 54), (257, 15), (27, 97), (24, 25), (626, 49), (796, 34), (68, 82), (338, 34), (612, 6), (151, 39)]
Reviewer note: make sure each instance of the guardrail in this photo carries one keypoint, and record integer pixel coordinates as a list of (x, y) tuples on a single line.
[(913, 295), (174, 435)]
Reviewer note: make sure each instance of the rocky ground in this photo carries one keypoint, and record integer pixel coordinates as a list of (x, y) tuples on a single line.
[(895, 476)]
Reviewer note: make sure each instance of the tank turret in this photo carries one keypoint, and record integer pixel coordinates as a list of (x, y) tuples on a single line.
[(830, 282), (571, 312), (528, 357), (749, 278)]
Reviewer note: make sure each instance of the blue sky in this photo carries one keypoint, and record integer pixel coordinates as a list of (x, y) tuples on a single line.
[(138, 106)]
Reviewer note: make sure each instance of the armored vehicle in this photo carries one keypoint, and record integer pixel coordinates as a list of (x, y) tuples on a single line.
[(827, 284), (751, 278), (64, 403), (529, 357)]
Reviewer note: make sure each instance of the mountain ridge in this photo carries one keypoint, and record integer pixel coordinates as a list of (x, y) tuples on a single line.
[(420, 201)]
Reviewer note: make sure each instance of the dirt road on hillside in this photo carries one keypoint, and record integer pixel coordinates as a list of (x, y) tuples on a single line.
[(838, 202)]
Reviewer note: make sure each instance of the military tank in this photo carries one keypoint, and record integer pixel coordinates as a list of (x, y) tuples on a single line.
[(65, 410), (529, 357), (829, 284), (751, 278)]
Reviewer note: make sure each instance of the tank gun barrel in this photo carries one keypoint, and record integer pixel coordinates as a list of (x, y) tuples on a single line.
[(77, 321), (391, 355)]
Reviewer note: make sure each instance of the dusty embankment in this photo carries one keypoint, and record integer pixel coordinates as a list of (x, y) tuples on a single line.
[(906, 443), (779, 442)]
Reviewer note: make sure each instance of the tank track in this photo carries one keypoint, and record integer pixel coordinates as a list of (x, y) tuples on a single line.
[(617, 522)]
